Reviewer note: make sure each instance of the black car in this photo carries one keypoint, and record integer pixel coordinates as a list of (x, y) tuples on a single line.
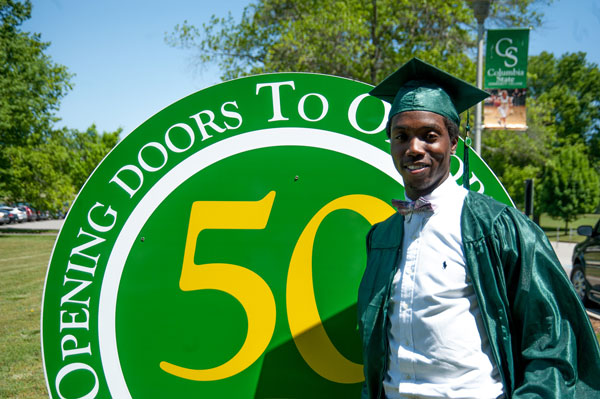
[(586, 264)]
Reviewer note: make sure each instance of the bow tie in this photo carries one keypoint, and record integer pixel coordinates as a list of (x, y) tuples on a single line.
[(409, 207)]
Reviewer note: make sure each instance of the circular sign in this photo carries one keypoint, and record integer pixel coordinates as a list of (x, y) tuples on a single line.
[(219, 247)]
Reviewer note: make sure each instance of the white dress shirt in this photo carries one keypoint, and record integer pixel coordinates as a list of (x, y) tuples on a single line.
[(438, 344)]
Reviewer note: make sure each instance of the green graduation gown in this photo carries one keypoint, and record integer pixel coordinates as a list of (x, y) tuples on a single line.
[(540, 335)]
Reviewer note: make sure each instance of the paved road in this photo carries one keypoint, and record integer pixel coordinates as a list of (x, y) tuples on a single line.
[(564, 250), (40, 225)]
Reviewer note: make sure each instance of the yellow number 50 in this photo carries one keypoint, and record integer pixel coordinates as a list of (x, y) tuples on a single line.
[(256, 297)]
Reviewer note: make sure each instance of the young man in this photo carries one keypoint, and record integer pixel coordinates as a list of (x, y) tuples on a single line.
[(462, 296)]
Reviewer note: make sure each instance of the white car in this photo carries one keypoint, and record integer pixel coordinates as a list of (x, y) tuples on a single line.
[(19, 215)]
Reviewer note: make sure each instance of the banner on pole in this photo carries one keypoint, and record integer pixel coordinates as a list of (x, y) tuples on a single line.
[(506, 58), (506, 79)]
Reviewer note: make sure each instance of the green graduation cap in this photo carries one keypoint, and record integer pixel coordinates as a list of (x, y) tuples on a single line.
[(419, 86)]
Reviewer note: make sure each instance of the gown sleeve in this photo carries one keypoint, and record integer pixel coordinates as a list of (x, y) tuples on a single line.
[(556, 353)]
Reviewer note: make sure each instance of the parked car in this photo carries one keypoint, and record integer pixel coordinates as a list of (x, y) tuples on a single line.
[(9, 213), (4, 217), (42, 215), (57, 215), (28, 212), (21, 215), (585, 275), (14, 214)]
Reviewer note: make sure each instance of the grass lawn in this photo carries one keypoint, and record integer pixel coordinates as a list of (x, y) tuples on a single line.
[(549, 225), (23, 263)]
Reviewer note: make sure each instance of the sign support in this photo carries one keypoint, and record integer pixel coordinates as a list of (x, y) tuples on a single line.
[(481, 9), (478, 107)]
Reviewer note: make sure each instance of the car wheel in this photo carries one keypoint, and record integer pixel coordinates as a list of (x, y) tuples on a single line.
[(578, 281)]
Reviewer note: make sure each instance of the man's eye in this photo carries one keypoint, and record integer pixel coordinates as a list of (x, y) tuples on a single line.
[(400, 136), (432, 136)]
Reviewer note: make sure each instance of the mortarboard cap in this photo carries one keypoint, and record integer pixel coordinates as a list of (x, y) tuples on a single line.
[(419, 86)]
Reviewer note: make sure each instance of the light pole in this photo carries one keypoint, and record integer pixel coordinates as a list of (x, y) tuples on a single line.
[(481, 9)]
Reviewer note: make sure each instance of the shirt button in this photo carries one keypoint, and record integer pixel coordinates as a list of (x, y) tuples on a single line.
[(407, 376)]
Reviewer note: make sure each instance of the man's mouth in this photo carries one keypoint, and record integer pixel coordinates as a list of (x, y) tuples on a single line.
[(415, 167)]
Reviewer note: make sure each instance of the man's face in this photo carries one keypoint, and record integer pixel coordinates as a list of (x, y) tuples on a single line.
[(421, 149)]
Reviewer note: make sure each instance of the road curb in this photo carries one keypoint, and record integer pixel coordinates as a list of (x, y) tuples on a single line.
[(593, 314)]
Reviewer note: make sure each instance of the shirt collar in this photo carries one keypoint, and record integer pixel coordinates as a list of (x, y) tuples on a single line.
[(439, 196)]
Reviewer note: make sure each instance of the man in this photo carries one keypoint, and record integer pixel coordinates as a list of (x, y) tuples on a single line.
[(462, 296)]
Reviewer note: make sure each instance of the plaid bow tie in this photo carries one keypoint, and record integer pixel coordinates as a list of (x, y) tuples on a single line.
[(409, 207)]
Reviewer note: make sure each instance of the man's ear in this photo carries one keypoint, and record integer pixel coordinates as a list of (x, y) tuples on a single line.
[(453, 145)]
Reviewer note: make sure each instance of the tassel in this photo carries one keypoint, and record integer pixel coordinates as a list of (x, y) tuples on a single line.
[(467, 143)]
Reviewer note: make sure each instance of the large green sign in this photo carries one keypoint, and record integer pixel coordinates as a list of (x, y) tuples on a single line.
[(506, 58), (217, 251)]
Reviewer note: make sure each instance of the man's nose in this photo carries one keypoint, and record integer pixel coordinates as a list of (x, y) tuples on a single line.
[(415, 146)]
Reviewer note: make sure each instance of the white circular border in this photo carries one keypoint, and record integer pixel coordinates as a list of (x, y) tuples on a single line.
[(304, 137)]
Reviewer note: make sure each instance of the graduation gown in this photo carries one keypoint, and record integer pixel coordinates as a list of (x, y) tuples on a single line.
[(541, 338)]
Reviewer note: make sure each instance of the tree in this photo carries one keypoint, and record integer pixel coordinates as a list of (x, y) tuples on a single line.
[(516, 156), (569, 88), (49, 174), (38, 175), (31, 85), (562, 110), (358, 39), (86, 150), (569, 185)]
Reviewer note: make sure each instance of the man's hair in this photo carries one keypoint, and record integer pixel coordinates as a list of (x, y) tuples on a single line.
[(450, 125), (452, 128)]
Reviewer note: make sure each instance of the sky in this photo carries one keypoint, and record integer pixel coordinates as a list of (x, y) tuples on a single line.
[(124, 72)]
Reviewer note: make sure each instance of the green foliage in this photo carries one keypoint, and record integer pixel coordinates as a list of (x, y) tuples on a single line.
[(516, 13), (31, 85), (562, 111), (569, 185), (516, 156), (357, 39), (39, 175), (594, 146), (86, 150), (49, 174), (569, 88)]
